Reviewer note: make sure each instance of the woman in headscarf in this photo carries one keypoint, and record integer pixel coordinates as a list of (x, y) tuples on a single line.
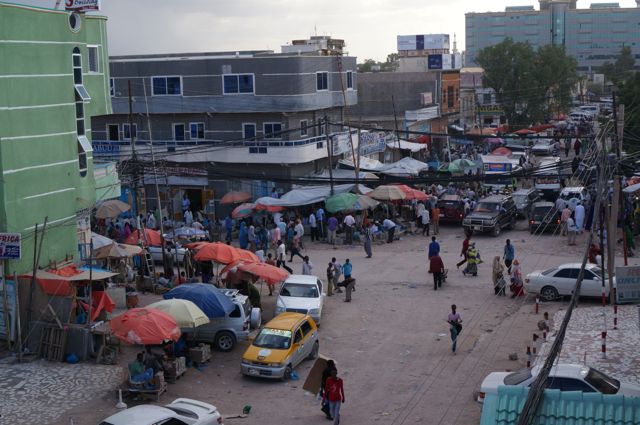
[(473, 259), (243, 237), (517, 284), (252, 238), (498, 276)]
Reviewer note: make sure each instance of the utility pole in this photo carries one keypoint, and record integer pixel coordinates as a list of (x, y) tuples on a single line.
[(134, 158), (329, 151), (395, 120), (613, 218)]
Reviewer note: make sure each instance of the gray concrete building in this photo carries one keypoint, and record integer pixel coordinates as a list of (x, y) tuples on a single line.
[(593, 36)]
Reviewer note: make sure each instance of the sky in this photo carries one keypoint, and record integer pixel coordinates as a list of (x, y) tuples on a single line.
[(369, 27)]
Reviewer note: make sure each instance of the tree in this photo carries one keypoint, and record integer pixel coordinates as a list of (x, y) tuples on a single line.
[(530, 85), (629, 94), (621, 69), (367, 65), (390, 65)]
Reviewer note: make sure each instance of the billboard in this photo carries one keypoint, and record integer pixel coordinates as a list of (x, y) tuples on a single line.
[(497, 167), (423, 42), (10, 246), (82, 5), (446, 62), (627, 284), (434, 62)]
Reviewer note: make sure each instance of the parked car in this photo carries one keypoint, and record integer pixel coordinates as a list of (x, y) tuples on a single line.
[(451, 209), (524, 199), (182, 411), (223, 332), (574, 194), (563, 377), (301, 294), (280, 346), (492, 214), (558, 281), (544, 216), (544, 147)]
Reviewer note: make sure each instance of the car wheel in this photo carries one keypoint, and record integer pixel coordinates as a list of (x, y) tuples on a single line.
[(496, 230), (225, 341), (287, 373), (549, 293), (314, 352)]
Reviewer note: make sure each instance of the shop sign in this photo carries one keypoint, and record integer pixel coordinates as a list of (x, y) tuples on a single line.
[(628, 284), (10, 244), (82, 5), (497, 168), (105, 148)]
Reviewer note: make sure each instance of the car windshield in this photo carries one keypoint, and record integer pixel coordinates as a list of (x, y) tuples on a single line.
[(517, 377), (570, 195), (448, 204), (600, 272), (601, 382), (486, 207), (273, 338), (520, 199), (549, 271), (299, 290), (540, 213)]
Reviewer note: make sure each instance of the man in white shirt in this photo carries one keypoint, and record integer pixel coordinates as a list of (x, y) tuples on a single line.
[(390, 227), (307, 267), (349, 223), (314, 227), (299, 229), (281, 253), (425, 219)]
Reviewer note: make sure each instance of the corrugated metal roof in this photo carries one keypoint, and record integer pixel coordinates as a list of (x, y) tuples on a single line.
[(561, 408)]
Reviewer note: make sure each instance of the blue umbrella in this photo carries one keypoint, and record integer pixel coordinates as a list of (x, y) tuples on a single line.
[(212, 301)]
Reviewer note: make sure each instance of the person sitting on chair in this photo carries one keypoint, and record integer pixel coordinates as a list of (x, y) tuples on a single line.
[(138, 373)]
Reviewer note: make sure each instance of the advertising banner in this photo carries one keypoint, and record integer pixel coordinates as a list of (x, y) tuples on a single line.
[(82, 5), (10, 246), (628, 284), (435, 62)]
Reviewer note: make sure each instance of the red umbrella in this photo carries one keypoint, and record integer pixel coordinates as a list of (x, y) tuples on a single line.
[(194, 245), (243, 210), (235, 198), (269, 208), (247, 255), (147, 326), (413, 193), (267, 272), (502, 151), (217, 252), (149, 237), (524, 132), (542, 127)]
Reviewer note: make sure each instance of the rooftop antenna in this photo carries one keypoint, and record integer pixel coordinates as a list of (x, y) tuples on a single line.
[(315, 29)]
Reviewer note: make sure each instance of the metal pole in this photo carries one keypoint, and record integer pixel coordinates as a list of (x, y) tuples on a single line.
[(90, 302), (18, 324), (395, 120), (329, 151), (134, 158), (5, 299), (37, 249)]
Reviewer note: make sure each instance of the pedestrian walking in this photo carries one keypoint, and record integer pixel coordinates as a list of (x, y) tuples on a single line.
[(243, 236), (436, 267), (508, 255), (576, 146), (320, 220), (330, 272), (567, 146), (465, 248), (572, 230), (332, 227), (390, 227), (337, 272), (434, 248), (579, 216), (473, 259), (326, 373), (307, 267), (347, 268), (455, 326), (314, 227), (564, 217), (281, 253), (349, 223), (334, 390), (228, 225), (299, 229), (435, 219), (295, 247), (425, 220), (368, 239)]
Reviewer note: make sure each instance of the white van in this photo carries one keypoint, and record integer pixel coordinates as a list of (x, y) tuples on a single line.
[(575, 194)]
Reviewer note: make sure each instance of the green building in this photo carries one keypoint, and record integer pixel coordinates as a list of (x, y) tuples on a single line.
[(54, 77)]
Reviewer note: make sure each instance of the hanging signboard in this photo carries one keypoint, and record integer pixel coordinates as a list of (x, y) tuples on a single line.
[(628, 284), (10, 246), (82, 5)]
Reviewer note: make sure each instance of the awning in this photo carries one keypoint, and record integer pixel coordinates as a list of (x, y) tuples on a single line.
[(59, 282), (406, 145), (345, 174), (304, 196)]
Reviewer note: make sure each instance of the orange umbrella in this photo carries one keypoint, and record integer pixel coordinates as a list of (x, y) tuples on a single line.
[(149, 237), (235, 198), (147, 326), (218, 252), (267, 272), (413, 193), (502, 151), (269, 208), (247, 255), (195, 245)]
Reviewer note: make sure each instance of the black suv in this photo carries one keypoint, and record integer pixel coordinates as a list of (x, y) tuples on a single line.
[(491, 215)]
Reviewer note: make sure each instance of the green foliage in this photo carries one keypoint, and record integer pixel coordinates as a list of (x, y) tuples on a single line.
[(621, 69), (629, 94), (530, 85), (369, 65)]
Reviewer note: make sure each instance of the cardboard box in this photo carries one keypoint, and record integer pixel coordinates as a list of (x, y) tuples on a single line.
[(314, 379)]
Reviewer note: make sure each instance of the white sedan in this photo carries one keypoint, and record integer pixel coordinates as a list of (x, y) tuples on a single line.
[(301, 294), (182, 411), (563, 377), (544, 147), (558, 281)]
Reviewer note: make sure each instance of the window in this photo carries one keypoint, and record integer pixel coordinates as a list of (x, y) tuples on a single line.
[(568, 384), (321, 127), (303, 128), (567, 273), (84, 148), (113, 132), (588, 275), (178, 132), (197, 130), (450, 98), (248, 131), (350, 79), (306, 327), (79, 115), (486, 98), (94, 60), (112, 87), (298, 337), (237, 84), (322, 81), (272, 130), (75, 22), (235, 312), (77, 66), (166, 86), (126, 134), (172, 421)]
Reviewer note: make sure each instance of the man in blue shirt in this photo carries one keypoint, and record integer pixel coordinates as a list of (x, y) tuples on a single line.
[(509, 255), (434, 247), (349, 282)]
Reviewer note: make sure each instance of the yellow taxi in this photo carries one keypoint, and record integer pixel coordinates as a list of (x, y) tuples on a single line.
[(281, 345)]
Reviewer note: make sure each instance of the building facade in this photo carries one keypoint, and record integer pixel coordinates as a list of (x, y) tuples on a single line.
[(47, 96), (227, 114), (593, 36)]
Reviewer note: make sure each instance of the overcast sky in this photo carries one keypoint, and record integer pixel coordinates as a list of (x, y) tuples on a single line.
[(369, 27)]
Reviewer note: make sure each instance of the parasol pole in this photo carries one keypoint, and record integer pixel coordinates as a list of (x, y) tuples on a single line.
[(90, 283)]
